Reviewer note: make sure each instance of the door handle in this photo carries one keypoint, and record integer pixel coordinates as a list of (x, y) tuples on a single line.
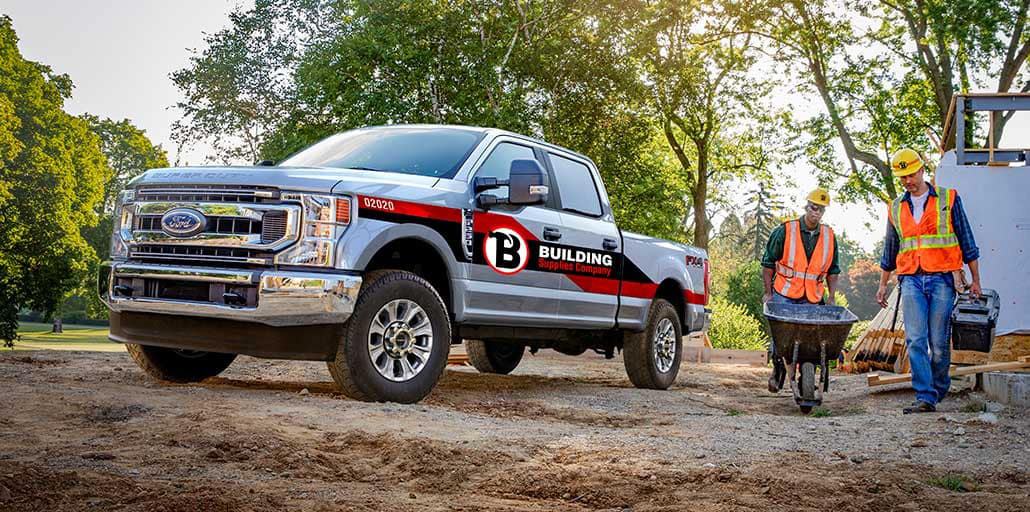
[(551, 234), (610, 244)]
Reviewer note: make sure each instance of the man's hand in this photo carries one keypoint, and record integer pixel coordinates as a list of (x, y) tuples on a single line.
[(881, 296), (974, 290), (766, 298)]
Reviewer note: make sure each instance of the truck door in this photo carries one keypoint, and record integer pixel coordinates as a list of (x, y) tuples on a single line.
[(589, 246), (505, 285)]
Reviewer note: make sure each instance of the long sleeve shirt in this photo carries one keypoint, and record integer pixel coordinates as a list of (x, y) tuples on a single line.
[(959, 225)]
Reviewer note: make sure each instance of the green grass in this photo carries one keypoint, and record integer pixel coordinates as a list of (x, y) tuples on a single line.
[(954, 483), (36, 336), (733, 412), (821, 413)]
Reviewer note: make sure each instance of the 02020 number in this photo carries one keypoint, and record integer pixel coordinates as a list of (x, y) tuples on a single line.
[(377, 204)]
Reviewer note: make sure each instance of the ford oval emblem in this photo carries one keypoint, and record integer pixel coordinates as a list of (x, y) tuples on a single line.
[(183, 222)]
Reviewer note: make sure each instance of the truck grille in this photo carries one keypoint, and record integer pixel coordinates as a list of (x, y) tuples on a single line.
[(272, 227), (200, 254), (244, 225), (208, 193)]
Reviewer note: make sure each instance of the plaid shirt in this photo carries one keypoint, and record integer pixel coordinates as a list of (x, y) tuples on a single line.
[(959, 224)]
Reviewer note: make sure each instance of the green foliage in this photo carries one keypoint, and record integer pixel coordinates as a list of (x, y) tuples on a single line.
[(744, 288), (953, 483), (52, 174), (128, 152), (857, 329), (571, 73), (821, 413), (733, 327)]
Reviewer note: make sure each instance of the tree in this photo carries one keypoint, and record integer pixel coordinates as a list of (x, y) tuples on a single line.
[(51, 179), (552, 69), (761, 221), (128, 152), (697, 68), (241, 85), (884, 88), (955, 45)]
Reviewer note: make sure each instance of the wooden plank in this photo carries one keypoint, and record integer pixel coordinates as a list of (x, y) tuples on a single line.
[(874, 379), (730, 356), (458, 359)]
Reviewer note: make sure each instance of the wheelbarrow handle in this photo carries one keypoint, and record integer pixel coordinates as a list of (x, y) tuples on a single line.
[(897, 305)]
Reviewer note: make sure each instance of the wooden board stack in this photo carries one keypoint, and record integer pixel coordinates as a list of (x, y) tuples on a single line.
[(880, 347)]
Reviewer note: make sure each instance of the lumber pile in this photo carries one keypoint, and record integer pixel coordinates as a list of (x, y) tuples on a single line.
[(458, 359), (882, 345), (874, 379)]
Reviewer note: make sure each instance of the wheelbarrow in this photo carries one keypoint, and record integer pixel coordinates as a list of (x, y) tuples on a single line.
[(808, 336)]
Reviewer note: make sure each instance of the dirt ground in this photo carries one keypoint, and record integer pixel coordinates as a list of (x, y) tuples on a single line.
[(89, 431)]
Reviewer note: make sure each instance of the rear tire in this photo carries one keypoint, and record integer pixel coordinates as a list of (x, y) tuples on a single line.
[(652, 357), (494, 356), (176, 365), (808, 381), (396, 342)]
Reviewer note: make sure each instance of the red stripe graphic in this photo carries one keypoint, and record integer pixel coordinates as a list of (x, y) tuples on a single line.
[(694, 298), (428, 211), (486, 222)]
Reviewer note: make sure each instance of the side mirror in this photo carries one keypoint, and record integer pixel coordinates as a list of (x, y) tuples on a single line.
[(526, 183), (266, 163)]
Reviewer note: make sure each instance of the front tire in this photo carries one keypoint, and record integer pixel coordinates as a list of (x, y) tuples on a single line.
[(396, 342), (174, 365), (494, 356), (652, 357)]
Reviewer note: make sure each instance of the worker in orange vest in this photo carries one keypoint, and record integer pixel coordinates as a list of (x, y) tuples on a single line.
[(800, 256), (928, 237)]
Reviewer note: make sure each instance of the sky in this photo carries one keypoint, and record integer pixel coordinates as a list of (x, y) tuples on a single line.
[(119, 54)]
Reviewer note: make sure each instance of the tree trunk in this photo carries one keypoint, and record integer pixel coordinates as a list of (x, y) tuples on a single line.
[(58, 327), (698, 196)]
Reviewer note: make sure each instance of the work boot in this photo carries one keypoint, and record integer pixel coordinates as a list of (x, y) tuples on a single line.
[(920, 407)]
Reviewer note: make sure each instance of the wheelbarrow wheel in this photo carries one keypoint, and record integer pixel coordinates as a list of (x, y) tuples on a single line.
[(807, 385)]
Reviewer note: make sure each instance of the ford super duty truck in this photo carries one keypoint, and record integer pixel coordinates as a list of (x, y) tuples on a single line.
[(376, 249)]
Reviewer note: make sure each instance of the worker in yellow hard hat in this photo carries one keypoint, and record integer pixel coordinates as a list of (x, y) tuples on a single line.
[(800, 256), (925, 252)]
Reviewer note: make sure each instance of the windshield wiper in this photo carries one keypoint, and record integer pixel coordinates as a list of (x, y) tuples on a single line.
[(366, 169)]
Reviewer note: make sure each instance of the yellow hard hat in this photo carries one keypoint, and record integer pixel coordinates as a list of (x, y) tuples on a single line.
[(820, 197), (906, 161)]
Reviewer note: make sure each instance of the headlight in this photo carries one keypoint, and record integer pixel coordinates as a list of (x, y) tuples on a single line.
[(122, 218), (323, 223)]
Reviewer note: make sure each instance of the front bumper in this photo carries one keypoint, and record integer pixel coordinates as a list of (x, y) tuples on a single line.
[(274, 298)]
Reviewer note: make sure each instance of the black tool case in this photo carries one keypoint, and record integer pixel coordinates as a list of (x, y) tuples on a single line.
[(973, 321)]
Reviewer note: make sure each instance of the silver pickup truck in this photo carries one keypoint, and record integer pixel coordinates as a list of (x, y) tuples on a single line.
[(377, 249)]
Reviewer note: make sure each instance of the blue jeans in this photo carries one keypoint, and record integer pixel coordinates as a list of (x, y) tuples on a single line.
[(782, 298), (926, 303)]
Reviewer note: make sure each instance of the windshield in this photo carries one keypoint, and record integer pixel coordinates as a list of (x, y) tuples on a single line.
[(425, 151)]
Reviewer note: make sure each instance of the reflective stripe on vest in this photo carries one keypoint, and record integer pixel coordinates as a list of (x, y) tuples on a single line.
[(930, 244), (796, 276)]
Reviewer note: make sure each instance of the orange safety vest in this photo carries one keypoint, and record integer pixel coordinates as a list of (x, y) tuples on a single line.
[(797, 277), (930, 245)]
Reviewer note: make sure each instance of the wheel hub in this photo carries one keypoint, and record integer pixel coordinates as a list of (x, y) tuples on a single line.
[(664, 342), (400, 340)]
